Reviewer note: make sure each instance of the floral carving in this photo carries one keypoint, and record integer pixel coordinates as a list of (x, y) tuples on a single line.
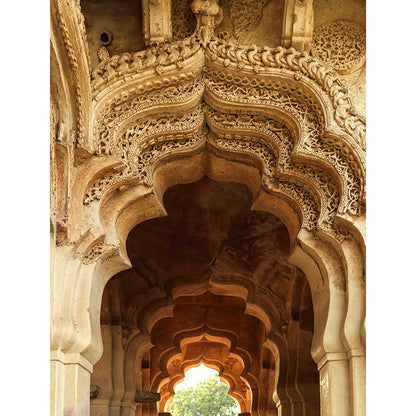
[(340, 44)]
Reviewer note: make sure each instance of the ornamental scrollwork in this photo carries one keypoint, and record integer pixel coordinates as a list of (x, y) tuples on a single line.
[(259, 59), (143, 143), (311, 138), (113, 115), (247, 110), (155, 58)]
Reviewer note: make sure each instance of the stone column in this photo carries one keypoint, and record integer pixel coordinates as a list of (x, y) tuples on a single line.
[(77, 284), (354, 327), (157, 21), (334, 385), (70, 384), (358, 377), (298, 24)]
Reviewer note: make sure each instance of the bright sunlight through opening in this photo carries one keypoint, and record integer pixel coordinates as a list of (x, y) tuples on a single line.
[(194, 376), (203, 394)]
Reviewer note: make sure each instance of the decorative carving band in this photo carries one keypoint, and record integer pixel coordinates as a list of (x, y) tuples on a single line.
[(340, 44), (155, 57), (276, 120), (125, 106), (142, 143), (260, 59), (311, 139)]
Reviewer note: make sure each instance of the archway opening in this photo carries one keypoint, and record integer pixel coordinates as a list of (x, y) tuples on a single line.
[(203, 393), (194, 376), (210, 283)]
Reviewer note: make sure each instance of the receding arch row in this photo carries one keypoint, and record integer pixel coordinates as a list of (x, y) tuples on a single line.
[(191, 339), (165, 360), (288, 215), (318, 258)]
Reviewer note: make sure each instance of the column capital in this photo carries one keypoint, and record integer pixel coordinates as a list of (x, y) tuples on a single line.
[(332, 356), (72, 358)]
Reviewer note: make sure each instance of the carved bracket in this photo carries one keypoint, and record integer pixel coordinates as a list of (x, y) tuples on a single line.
[(146, 396), (94, 390)]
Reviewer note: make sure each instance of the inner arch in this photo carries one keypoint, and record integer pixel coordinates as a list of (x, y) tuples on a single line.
[(201, 384), (211, 282), (195, 375)]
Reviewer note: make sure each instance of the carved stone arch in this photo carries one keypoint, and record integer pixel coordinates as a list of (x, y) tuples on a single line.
[(160, 209), (191, 169), (226, 377), (107, 199)]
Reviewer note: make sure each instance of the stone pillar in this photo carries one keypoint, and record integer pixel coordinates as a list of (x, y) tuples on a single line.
[(157, 20), (357, 377), (77, 284), (298, 25), (70, 384), (334, 385)]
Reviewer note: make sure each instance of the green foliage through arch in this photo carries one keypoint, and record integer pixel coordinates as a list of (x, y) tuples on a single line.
[(208, 398)]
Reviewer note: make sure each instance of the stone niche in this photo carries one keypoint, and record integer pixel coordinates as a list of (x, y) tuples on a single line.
[(116, 24)]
